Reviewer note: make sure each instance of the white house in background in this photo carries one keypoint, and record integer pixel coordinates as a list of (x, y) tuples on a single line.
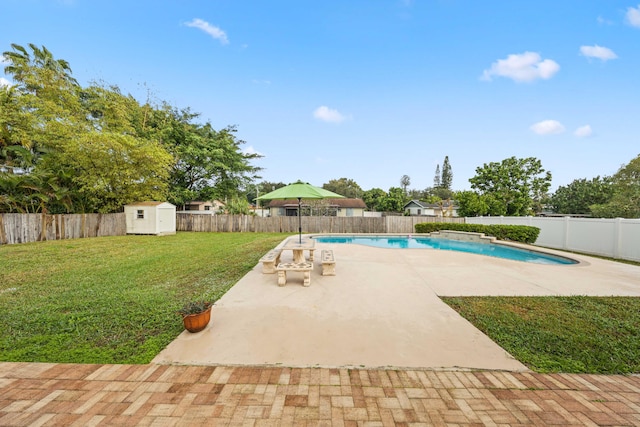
[(210, 206), (157, 218), (419, 208)]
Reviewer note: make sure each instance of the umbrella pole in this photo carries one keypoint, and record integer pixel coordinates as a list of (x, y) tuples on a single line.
[(299, 220)]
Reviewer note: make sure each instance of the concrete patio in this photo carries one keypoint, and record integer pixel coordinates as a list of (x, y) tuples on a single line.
[(382, 309)]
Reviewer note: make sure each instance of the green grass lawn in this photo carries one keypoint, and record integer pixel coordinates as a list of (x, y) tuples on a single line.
[(561, 334), (113, 299)]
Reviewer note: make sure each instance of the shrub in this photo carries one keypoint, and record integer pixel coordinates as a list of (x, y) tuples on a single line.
[(516, 233)]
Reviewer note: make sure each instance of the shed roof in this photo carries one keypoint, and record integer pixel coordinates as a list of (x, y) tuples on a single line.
[(148, 203)]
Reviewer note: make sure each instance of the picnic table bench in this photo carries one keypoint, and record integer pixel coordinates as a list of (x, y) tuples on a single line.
[(328, 263), (270, 260), (305, 267)]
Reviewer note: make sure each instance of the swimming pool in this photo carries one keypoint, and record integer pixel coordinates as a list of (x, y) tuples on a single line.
[(488, 249)]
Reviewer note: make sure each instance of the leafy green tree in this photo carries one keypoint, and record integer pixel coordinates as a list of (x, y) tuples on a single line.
[(374, 199), (25, 68), (39, 109), (209, 164), (237, 205), (95, 149), (447, 174), (440, 193), (252, 191), (268, 186), (625, 201), (580, 194), (471, 204), (515, 185), (415, 194), (394, 201), (345, 187), (113, 169)]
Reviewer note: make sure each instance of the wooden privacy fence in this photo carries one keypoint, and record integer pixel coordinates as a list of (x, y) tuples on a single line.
[(310, 224), (25, 228)]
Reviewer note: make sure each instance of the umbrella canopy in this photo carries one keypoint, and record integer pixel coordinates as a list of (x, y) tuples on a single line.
[(300, 190)]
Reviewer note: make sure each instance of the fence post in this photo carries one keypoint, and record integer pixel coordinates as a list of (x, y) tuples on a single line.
[(565, 241)]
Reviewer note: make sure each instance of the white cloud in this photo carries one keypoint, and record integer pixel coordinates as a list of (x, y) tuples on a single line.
[(633, 16), (603, 21), (212, 30), (251, 150), (583, 131), (547, 127), (327, 114), (4, 82), (595, 51), (525, 67)]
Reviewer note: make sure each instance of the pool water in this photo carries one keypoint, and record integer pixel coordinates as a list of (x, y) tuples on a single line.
[(488, 249)]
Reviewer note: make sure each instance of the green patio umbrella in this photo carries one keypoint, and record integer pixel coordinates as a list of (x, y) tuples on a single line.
[(300, 190)]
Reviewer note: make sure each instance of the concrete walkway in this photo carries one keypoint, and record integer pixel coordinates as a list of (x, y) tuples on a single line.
[(312, 355), (382, 309)]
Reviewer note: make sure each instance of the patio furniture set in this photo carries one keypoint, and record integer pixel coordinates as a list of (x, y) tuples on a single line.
[(271, 261)]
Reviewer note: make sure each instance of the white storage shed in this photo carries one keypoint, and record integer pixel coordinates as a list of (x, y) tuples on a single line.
[(157, 218)]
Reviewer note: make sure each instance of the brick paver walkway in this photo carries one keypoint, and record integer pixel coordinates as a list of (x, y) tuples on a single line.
[(34, 394)]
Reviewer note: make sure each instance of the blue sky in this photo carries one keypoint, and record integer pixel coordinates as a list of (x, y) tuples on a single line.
[(370, 89)]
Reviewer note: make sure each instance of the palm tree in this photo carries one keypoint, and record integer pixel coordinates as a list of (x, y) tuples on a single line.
[(22, 65), (405, 182)]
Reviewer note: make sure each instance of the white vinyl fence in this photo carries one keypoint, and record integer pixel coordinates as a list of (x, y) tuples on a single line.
[(616, 238)]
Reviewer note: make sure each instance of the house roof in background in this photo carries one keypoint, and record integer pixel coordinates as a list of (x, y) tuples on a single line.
[(421, 204), (340, 203)]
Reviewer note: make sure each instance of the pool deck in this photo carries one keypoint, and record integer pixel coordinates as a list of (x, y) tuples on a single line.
[(382, 309)]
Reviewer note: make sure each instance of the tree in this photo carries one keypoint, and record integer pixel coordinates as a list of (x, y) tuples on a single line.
[(405, 181), (447, 175), (394, 200), (625, 201), (471, 203), (208, 164), (112, 169), (580, 195), (40, 108), (237, 205), (345, 187), (439, 192), (252, 191), (374, 199), (95, 149), (516, 185), (437, 179), (21, 66)]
